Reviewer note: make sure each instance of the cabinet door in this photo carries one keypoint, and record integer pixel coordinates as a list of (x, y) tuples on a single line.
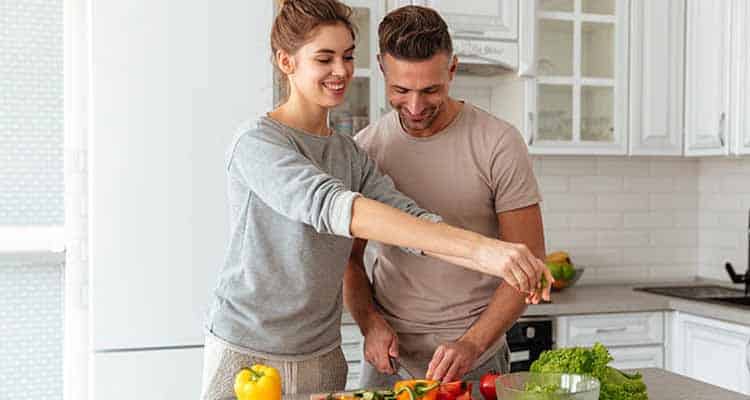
[(656, 76), (740, 114), (626, 329), (578, 101), (147, 375), (707, 77), (713, 351), (476, 19), (351, 345)]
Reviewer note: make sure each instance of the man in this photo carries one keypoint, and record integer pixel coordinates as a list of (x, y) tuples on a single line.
[(473, 169)]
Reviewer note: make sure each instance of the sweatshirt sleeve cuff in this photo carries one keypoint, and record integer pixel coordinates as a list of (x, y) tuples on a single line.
[(343, 213)]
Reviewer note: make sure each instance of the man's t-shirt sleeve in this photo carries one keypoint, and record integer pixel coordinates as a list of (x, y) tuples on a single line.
[(512, 173)]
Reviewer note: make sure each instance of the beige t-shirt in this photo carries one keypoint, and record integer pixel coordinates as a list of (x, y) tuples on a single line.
[(476, 167)]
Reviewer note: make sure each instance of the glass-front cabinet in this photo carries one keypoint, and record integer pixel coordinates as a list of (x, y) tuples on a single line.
[(365, 97), (577, 101)]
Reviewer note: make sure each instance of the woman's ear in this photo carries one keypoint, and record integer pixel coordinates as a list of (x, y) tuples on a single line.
[(285, 62)]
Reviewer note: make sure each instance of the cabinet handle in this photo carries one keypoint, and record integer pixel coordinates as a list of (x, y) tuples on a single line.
[(531, 129), (747, 354), (611, 330), (722, 118)]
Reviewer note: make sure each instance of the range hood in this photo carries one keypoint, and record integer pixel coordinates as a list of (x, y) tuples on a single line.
[(482, 56), (485, 57)]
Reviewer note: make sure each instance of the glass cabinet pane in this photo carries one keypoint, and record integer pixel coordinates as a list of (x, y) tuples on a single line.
[(555, 48), (597, 113), (362, 51), (599, 7), (353, 115), (555, 105), (597, 50), (555, 5)]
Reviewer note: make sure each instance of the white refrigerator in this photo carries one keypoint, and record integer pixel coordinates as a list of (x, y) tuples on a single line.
[(170, 80)]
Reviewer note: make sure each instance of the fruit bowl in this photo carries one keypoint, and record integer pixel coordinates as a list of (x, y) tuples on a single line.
[(533, 386), (560, 284)]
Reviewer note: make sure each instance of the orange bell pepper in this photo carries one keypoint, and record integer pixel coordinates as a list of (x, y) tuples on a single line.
[(417, 389)]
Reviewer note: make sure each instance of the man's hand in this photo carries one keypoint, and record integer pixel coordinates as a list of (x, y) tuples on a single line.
[(452, 360), (380, 343)]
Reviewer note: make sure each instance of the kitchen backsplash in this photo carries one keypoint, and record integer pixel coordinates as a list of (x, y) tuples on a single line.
[(623, 219), (723, 200), (641, 219)]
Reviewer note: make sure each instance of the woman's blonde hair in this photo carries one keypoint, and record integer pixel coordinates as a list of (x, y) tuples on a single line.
[(296, 22)]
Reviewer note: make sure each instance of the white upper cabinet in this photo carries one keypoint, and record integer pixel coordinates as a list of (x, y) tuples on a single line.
[(656, 76), (476, 19), (484, 32), (578, 101), (707, 76), (740, 112)]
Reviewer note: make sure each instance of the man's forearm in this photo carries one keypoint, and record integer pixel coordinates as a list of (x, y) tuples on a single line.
[(506, 306), (357, 290)]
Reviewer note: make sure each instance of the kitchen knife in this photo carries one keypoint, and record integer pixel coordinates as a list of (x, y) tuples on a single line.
[(399, 369)]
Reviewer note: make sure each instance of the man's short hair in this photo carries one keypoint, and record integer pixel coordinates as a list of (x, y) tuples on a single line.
[(414, 33)]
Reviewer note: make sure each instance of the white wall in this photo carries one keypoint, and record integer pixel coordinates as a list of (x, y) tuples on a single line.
[(724, 200), (624, 219)]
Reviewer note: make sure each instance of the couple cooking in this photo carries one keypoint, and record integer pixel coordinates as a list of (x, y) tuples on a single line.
[(442, 189)]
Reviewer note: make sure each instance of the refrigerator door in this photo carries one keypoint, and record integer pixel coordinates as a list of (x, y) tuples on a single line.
[(148, 375), (168, 89)]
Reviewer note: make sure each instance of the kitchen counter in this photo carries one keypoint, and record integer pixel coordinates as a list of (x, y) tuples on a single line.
[(596, 299), (662, 385), (665, 385)]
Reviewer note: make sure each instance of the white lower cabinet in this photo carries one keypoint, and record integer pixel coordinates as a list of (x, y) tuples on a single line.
[(712, 351), (635, 340), (147, 375), (351, 344)]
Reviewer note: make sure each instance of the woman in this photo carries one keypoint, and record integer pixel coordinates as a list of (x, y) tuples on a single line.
[(298, 194)]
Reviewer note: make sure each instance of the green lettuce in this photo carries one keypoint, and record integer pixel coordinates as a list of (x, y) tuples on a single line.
[(615, 384)]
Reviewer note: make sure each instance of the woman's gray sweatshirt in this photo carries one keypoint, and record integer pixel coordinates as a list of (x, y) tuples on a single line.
[(290, 197)]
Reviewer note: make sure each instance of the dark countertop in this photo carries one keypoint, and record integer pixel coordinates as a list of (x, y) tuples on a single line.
[(662, 385)]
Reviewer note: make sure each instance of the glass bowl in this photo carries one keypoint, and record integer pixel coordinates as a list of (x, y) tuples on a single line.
[(534, 386)]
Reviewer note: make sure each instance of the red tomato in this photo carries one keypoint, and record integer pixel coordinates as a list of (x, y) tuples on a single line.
[(487, 385)]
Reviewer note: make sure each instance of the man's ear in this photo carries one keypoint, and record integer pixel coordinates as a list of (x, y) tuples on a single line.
[(380, 64), (453, 66), (285, 62)]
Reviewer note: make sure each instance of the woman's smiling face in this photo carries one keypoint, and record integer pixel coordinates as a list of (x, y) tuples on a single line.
[(323, 66)]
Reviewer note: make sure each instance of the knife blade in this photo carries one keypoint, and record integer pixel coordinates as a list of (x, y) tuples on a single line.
[(399, 369)]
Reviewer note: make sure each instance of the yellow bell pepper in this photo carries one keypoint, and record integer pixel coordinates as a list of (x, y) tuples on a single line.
[(417, 389), (258, 383)]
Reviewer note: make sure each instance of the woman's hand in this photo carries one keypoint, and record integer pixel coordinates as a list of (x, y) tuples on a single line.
[(517, 265)]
